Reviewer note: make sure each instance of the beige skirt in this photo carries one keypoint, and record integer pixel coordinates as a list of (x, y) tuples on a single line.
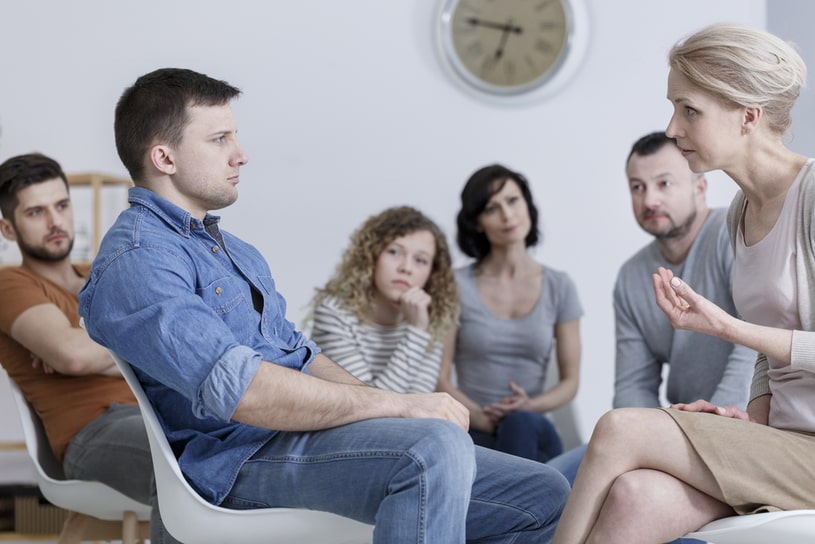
[(758, 468)]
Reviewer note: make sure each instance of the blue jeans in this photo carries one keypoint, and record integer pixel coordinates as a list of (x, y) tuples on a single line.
[(526, 434), (568, 463), (416, 480), (113, 449)]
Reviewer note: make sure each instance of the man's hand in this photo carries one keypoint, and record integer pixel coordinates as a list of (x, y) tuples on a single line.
[(36, 363), (436, 406)]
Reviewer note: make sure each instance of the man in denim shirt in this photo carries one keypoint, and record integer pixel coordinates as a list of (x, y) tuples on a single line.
[(256, 415)]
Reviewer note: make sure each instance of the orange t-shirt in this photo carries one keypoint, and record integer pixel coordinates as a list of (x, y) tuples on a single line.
[(65, 404)]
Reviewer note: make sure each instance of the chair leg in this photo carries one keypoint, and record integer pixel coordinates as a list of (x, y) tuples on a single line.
[(130, 528), (73, 528)]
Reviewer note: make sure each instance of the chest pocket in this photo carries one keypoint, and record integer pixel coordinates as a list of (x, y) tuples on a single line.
[(224, 295)]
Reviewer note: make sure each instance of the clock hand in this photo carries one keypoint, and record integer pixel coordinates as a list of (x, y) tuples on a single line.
[(475, 21), (491, 62), (499, 52)]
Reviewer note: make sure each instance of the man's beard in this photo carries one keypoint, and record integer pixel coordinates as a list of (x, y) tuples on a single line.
[(42, 254), (677, 231)]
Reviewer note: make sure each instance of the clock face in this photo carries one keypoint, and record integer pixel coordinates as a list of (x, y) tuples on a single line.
[(506, 47)]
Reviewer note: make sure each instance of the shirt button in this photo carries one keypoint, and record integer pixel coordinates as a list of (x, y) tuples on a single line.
[(219, 291), (215, 249), (192, 225)]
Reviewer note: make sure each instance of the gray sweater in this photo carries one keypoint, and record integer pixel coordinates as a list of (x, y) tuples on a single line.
[(701, 366)]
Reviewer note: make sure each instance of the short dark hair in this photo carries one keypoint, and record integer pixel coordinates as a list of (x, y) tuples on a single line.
[(649, 144), (155, 108), (478, 190), (19, 172)]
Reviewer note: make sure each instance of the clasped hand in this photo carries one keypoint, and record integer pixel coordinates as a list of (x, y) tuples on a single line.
[(514, 402)]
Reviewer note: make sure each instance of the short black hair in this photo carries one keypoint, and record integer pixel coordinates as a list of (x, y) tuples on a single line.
[(19, 172), (649, 144), (478, 190)]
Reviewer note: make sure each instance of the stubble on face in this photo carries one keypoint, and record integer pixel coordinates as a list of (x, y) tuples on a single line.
[(675, 230), (42, 252)]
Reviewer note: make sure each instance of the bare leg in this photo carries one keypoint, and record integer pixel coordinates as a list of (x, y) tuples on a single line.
[(626, 440), (672, 509)]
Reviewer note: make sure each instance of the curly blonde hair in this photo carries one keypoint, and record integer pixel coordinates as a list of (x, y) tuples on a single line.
[(353, 280)]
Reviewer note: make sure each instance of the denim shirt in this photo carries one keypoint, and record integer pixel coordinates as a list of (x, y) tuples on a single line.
[(195, 317)]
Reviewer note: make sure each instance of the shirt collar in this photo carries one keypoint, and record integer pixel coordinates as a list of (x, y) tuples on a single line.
[(177, 218)]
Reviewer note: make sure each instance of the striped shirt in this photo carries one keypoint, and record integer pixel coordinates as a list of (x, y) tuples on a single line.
[(393, 358)]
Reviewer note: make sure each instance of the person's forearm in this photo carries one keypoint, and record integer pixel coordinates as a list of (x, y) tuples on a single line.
[(554, 398), (77, 355), (284, 399), (325, 368), (775, 343)]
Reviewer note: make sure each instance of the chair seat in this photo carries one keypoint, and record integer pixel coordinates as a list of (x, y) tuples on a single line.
[(80, 497), (787, 527), (189, 518)]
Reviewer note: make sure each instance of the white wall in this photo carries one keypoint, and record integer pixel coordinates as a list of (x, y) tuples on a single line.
[(347, 111)]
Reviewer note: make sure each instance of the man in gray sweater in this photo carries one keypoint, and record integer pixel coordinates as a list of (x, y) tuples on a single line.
[(691, 239), (668, 201)]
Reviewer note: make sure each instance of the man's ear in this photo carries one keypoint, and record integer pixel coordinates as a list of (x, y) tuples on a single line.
[(162, 159), (7, 230)]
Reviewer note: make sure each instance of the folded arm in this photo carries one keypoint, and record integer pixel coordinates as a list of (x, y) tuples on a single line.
[(46, 332)]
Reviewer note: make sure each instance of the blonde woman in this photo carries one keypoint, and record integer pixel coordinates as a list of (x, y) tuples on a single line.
[(651, 475), (391, 301)]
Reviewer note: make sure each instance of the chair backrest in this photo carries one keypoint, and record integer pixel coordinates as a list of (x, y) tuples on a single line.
[(36, 441), (90, 498), (189, 518)]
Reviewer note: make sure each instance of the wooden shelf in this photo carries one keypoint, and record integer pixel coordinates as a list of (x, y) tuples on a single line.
[(96, 181)]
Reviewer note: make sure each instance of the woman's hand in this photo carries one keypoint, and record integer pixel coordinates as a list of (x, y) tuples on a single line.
[(686, 309), (515, 402), (415, 306), (707, 407)]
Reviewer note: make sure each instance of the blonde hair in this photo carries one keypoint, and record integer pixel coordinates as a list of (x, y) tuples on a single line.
[(743, 66), (353, 280)]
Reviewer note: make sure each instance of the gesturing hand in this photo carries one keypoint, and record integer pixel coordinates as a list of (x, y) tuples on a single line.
[(686, 309)]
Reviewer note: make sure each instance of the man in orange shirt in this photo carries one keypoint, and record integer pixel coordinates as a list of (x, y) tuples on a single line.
[(89, 413)]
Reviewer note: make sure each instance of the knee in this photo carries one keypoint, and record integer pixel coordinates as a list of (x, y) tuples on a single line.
[(447, 446), (614, 426), (627, 493)]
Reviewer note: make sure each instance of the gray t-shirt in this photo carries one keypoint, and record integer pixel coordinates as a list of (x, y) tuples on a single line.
[(491, 351), (701, 366)]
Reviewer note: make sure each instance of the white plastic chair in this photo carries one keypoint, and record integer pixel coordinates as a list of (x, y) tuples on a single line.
[(95, 511), (189, 518), (788, 527)]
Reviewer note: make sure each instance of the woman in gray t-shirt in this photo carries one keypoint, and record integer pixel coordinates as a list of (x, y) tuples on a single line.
[(514, 312)]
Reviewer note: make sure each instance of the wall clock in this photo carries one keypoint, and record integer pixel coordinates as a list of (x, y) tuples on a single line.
[(512, 50)]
